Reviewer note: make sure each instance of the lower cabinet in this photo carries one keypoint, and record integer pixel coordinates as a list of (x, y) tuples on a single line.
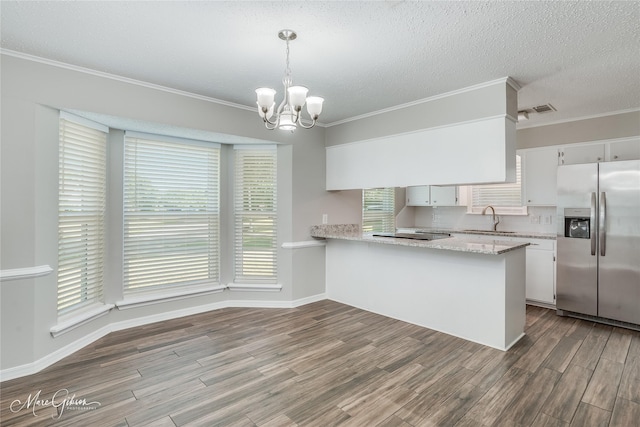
[(540, 278), (541, 271)]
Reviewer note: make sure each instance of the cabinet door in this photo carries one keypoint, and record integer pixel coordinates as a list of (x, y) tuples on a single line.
[(444, 196), (539, 173), (624, 150), (418, 196), (540, 275), (573, 155)]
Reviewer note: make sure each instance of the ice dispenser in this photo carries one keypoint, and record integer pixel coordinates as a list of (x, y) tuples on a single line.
[(577, 223)]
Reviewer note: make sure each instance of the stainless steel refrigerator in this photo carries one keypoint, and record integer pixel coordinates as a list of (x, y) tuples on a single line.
[(598, 263)]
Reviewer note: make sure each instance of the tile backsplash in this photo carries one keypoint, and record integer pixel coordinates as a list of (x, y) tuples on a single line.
[(539, 219)]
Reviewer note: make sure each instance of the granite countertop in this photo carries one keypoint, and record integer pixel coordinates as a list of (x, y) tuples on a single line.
[(459, 244)]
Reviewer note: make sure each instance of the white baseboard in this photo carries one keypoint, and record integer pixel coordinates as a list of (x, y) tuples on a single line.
[(61, 353)]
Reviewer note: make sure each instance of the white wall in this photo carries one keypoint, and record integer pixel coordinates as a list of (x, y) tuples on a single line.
[(32, 94)]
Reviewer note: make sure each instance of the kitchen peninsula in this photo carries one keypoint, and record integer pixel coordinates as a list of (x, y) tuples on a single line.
[(469, 289)]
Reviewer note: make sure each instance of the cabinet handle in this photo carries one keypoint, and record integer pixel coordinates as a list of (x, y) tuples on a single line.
[(599, 158), (528, 201), (435, 201), (615, 157)]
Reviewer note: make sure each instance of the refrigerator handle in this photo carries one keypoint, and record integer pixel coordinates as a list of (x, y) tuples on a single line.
[(602, 224), (592, 234)]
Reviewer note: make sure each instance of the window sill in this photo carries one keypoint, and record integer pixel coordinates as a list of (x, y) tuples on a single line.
[(156, 298), (252, 287), (71, 321)]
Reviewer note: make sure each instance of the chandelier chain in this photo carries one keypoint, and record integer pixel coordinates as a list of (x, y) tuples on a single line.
[(287, 70)]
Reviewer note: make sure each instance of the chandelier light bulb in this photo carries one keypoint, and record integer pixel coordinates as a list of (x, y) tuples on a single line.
[(314, 106)]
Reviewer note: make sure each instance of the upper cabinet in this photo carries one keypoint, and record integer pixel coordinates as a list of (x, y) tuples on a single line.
[(539, 165), (578, 153), (425, 195), (444, 196), (624, 150), (539, 173), (419, 195)]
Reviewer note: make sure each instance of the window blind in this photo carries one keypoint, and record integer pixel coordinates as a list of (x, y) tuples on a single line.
[(81, 215), (171, 214), (378, 210), (499, 195), (255, 209)]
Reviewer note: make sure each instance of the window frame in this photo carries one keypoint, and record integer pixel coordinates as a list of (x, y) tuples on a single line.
[(259, 271), (384, 217), (82, 152), (190, 224), (521, 210)]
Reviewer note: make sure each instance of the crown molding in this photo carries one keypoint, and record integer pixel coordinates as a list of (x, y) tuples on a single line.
[(576, 119), (507, 80), (122, 79)]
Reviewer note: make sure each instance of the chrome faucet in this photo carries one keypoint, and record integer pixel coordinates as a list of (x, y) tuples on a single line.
[(496, 219)]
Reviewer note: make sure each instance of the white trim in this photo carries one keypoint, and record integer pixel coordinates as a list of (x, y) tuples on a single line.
[(24, 273), (576, 119), (75, 320), (53, 357), (260, 287), (507, 80), (395, 135), (61, 353), (64, 115), (255, 146), (122, 79), (303, 244), (157, 298)]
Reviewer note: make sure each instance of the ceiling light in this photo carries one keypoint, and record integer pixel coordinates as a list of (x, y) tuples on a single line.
[(287, 116)]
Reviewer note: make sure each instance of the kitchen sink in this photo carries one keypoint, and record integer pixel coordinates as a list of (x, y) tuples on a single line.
[(490, 231), (414, 236)]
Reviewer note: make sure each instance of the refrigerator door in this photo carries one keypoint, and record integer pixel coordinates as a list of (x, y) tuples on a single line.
[(619, 243), (577, 265)]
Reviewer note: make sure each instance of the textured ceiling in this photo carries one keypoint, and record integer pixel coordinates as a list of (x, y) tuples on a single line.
[(582, 57)]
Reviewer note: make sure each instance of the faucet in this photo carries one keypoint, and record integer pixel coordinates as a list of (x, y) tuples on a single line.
[(496, 220)]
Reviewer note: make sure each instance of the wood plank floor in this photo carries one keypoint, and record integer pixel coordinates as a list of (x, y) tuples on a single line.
[(328, 364)]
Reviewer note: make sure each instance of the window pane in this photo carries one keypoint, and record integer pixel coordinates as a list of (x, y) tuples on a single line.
[(171, 214), (255, 206), (81, 214), (499, 195), (378, 210)]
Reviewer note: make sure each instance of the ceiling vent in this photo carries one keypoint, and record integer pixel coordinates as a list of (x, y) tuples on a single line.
[(546, 108)]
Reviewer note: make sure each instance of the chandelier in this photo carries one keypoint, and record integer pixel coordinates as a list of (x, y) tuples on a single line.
[(287, 116)]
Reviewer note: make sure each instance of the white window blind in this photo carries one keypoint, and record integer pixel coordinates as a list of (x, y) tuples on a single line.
[(506, 197), (171, 214), (255, 207), (378, 210), (81, 215)]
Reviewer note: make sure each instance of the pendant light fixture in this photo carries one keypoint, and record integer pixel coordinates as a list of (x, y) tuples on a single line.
[(287, 116)]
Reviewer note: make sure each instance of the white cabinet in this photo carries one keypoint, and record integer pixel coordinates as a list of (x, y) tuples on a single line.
[(419, 195), (579, 153), (444, 196), (540, 276), (432, 195), (539, 175), (624, 150)]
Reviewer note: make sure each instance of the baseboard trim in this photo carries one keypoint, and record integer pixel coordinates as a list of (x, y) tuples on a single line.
[(61, 353)]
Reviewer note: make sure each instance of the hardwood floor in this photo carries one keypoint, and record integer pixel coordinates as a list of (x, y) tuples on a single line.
[(327, 364)]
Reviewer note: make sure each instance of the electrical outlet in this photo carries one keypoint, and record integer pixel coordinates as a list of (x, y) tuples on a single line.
[(535, 219), (325, 218), (546, 219)]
